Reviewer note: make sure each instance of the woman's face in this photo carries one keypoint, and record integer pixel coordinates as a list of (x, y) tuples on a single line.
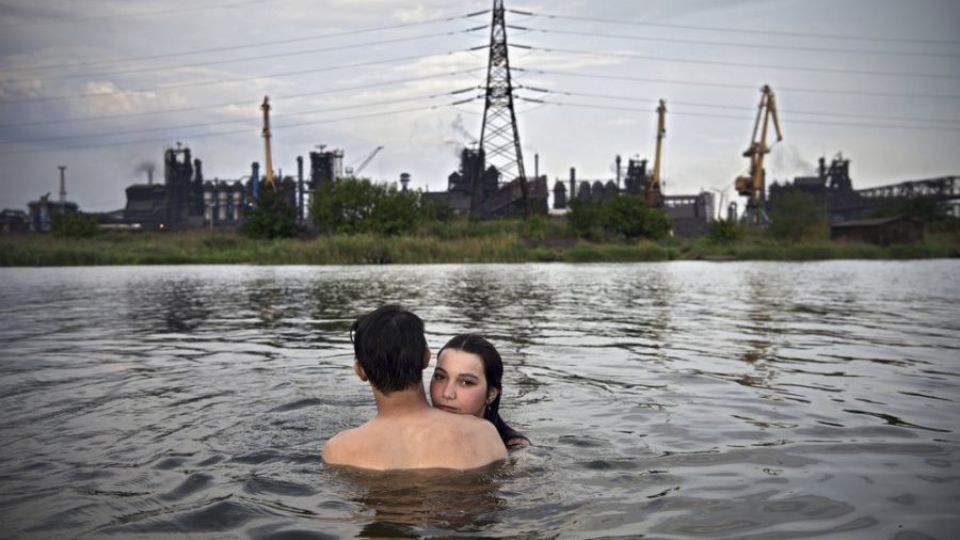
[(459, 385)]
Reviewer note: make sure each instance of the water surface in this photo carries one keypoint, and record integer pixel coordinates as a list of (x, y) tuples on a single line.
[(671, 400)]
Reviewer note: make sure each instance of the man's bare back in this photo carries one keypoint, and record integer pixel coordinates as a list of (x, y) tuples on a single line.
[(424, 438)]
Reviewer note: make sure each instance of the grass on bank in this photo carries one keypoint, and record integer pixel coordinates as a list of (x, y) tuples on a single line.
[(459, 241)]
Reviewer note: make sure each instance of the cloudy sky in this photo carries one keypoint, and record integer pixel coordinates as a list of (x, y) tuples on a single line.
[(103, 86)]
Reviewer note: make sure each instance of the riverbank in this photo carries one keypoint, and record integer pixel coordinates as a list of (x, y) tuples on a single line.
[(492, 244)]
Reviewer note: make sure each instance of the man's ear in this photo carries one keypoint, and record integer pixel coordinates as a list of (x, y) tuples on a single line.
[(358, 369), (426, 357), (492, 394)]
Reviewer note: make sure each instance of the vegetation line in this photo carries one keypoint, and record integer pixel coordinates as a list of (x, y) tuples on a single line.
[(457, 242)]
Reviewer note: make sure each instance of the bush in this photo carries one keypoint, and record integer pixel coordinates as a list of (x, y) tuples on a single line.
[(353, 206), (73, 225), (798, 216), (271, 218), (624, 217), (725, 231)]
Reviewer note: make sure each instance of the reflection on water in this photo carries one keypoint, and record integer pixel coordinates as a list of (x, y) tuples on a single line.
[(673, 400), (409, 503)]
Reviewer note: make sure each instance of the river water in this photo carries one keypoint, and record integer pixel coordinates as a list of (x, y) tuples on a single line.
[(668, 400)]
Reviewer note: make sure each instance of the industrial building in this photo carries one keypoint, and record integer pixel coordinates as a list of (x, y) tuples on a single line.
[(478, 190), (832, 188), (691, 215), (186, 201)]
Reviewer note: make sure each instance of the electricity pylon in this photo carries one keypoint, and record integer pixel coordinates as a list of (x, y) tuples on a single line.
[(499, 138)]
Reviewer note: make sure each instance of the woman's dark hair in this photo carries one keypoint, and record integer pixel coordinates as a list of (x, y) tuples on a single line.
[(493, 371), (389, 345)]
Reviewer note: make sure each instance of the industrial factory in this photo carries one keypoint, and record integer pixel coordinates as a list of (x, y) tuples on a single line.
[(491, 181)]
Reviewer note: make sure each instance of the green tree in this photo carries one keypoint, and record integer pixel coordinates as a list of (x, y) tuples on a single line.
[(584, 219), (355, 205), (624, 217), (628, 216), (396, 212), (435, 212), (797, 216), (271, 217), (73, 225), (345, 205)]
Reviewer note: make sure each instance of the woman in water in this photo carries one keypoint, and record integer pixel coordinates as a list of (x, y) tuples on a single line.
[(467, 380)]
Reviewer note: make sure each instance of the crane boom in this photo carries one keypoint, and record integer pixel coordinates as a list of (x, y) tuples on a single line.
[(368, 159), (653, 194)]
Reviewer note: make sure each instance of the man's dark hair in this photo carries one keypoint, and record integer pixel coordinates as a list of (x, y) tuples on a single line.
[(390, 345)]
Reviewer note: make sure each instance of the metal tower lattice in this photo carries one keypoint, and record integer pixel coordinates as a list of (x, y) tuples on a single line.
[(499, 138)]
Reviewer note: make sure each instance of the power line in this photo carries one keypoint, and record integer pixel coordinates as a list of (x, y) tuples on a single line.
[(238, 131), (751, 109), (735, 85), (740, 118), (775, 33), (239, 103), (243, 59), (253, 118), (840, 71), (237, 47), (225, 81), (141, 14), (742, 45)]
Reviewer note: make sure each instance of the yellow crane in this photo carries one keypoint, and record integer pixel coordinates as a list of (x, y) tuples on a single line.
[(652, 193), (266, 142), (753, 186)]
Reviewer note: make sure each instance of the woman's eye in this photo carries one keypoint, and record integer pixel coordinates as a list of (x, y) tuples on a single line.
[(437, 377), (468, 383)]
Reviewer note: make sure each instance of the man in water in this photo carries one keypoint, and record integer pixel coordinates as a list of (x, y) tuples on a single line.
[(407, 433)]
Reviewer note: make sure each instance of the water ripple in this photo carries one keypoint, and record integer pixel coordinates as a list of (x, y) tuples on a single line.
[(673, 400)]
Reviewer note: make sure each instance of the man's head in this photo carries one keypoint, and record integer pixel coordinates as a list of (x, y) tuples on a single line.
[(390, 348)]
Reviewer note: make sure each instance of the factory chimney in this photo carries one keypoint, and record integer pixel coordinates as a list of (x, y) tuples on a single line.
[(63, 185), (573, 182), (300, 188), (618, 171), (254, 179)]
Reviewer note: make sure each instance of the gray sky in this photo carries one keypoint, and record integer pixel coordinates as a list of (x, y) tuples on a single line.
[(878, 80)]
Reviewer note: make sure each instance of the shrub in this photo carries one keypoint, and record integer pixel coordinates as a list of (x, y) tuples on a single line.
[(354, 205), (624, 217), (798, 216), (271, 218), (725, 231), (73, 225)]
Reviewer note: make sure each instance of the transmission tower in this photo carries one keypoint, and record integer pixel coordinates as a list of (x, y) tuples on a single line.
[(499, 138)]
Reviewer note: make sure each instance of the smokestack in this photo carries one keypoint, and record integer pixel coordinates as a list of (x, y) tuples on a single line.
[(300, 187), (618, 171), (63, 185), (573, 182), (255, 178), (536, 166)]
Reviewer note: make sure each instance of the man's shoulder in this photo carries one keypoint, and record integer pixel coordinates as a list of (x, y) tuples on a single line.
[(342, 447)]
